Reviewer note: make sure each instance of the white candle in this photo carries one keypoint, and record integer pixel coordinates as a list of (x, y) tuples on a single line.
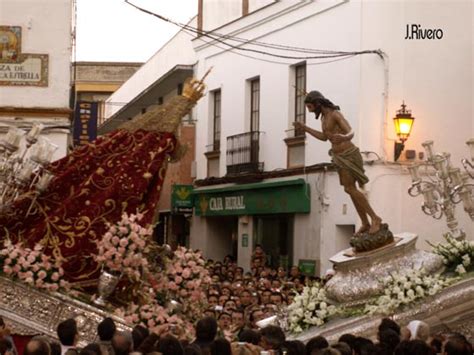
[(428, 145), (35, 131)]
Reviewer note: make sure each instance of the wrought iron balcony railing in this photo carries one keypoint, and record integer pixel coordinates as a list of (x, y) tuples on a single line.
[(242, 153)]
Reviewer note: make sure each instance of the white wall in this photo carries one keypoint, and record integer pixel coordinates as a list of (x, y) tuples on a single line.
[(177, 51), (46, 29), (434, 77)]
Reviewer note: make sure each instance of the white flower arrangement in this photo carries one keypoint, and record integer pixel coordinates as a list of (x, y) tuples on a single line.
[(405, 289), (309, 308), (458, 255)]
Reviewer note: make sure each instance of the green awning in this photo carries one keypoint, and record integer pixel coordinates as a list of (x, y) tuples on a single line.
[(285, 196)]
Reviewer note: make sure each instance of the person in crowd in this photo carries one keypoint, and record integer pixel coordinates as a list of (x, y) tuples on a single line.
[(315, 344), (5, 335), (255, 316), (139, 334), (170, 345), (68, 336), (105, 331), (37, 346), (206, 331), (343, 348), (272, 338), (93, 349), (418, 330), (457, 344), (221, 346), (122, 343)]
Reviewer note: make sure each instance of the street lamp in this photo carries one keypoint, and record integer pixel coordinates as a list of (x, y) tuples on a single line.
[(403, 123)]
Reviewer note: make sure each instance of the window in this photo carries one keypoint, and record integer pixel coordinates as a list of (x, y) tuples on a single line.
[(300, 93), (160, 100), (180, 89), (216, 139), (254, 105)]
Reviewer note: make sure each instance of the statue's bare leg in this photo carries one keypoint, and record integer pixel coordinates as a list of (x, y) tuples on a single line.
[(349, 185), (361, 204)]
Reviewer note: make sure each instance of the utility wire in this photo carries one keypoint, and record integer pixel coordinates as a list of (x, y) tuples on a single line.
[(219, 38)]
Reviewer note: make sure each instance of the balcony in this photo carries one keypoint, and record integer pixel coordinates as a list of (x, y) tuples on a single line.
[(242, 153)]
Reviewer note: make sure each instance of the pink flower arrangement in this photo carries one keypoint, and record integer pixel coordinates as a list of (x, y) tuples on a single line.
[(32, 266), (156, 318), (186, 281), (124, 247)]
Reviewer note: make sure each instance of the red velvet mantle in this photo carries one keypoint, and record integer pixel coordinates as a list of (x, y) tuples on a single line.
[(96, 183)]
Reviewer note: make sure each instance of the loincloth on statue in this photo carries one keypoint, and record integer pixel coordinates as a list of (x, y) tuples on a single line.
[(350, 160)]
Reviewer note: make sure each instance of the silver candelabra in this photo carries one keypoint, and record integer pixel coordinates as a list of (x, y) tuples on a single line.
[(448, 187), (24, 160)]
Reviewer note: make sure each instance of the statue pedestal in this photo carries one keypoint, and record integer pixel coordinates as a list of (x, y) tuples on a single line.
[(357, 275)]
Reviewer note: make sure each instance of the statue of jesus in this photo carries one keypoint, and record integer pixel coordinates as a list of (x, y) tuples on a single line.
[(345, 156)]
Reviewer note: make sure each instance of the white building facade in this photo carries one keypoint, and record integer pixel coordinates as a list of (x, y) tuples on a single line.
[(35, 67), (302, 215)]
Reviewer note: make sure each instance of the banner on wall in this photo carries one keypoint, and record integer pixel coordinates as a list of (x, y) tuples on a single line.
[(85, 122)]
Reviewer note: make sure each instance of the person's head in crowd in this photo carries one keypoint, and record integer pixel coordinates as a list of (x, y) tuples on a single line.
[(457, 344), (148, 345), (5, 347), (227, 259), (362, 345), (418, 330), (210, 312), (272, 337), (343, 348), (255, 316), (388, 323), (215, 279), (206, 330), (295, 272), (293, 347), (349, 339), (122, 343), (37, 346), (245, 298), (91, 349), (239, 271), (276, 284), (316, 343), (290, 297), (276, 298), (238, 318), (67, 332), (106, 329), (229, 305), (389, 338), (257, 263), (419, 347), (221, 346), (258, 251), (55, 348), (226, 291), (249, 336), (265, 296), (224, 319), (223, 299), (139, 333), (169, 345), (281, 273), (230, 275), (213, 300), (436, 343)]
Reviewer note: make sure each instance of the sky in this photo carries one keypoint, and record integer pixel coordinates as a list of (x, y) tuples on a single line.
[(112, 30)]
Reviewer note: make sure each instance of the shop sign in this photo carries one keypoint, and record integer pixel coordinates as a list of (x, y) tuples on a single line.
[(264, 198), (307, 267), (182, 198), (17, 68), (245, 240)]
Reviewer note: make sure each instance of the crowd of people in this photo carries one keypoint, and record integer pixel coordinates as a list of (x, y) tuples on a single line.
[(240, 304), (413, 339)]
